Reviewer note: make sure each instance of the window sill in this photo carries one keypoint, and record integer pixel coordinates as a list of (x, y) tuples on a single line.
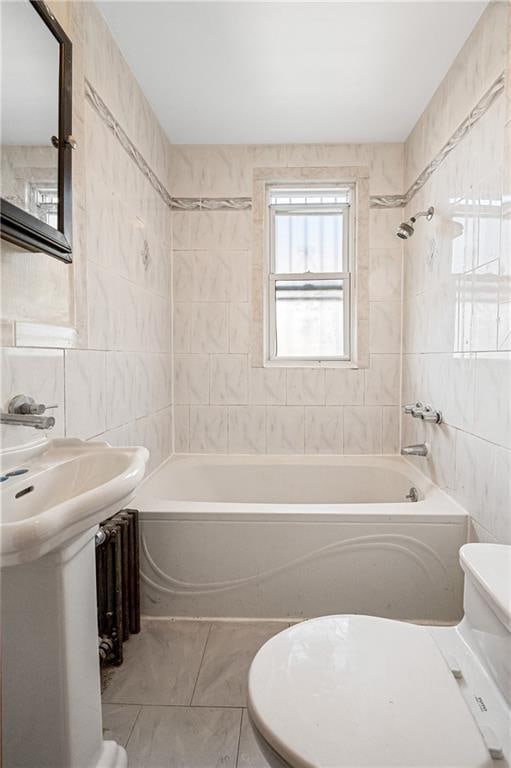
[(311, 364)]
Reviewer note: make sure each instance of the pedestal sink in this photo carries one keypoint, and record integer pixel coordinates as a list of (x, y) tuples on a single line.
[(49, 517)]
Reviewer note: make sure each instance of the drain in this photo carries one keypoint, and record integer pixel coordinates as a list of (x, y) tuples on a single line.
[(413, 494)]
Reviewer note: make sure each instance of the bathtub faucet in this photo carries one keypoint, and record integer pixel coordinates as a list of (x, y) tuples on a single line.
[(419, 449)]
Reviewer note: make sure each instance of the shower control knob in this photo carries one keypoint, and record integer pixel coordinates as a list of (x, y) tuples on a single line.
[(428, 414), (413, 408)]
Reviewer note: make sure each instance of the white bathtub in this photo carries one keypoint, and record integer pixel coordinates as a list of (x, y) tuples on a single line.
[(293, 537)]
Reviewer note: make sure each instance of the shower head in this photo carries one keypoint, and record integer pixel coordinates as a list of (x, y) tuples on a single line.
[(406, 228)]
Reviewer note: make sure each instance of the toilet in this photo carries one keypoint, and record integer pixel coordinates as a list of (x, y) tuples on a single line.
[(348, 691)]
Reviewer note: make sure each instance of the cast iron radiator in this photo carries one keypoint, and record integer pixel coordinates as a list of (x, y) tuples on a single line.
[(117, 583)]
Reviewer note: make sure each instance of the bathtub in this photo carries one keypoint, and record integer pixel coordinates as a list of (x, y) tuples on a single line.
[(292, 537)]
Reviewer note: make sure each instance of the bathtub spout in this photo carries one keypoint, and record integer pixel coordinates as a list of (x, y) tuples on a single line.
[(419, 449)]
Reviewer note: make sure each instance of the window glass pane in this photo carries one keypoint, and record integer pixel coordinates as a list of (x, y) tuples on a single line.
[(308, 242), (309, 318)]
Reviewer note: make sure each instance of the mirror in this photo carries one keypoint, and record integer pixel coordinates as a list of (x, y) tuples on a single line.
[(35, 129)]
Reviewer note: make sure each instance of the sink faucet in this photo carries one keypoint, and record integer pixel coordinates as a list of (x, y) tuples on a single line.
[(419, 449), (24, 411)]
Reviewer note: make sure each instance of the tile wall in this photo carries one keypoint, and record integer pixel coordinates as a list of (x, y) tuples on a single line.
[(224, 402), (457, 285), (95, 338)]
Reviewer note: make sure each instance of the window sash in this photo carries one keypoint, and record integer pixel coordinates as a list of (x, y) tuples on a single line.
[(316, 277), (314, 210)]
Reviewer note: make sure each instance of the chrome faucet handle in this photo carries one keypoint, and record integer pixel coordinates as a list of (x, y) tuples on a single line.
[(26, 405), (413, 408), (428, 414)]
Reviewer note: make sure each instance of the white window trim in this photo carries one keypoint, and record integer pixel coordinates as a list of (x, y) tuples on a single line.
[(271, 277), (358, 175)]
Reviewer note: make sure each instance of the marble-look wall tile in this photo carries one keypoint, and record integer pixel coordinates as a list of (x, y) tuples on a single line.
[(323, 429), (382, 380), (155, 389), (209, 328), (229, 379), (182, 327), (240, 315), (501, 524), (123, 388), (86, 393), (247, 429), (362, 430), (344, 386), (474, 476), (385, 273), (267, 386), (155, 432), (181, 428), (216, 230), (38, 373), (391, 423), (208, 429), (384, 327), (191, 379), (211, 276), (184, 276), (305, 386), (492, 401), (285, 429), (383, 224)]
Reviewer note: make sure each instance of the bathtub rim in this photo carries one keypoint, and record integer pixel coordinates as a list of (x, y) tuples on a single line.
[(435, 506)]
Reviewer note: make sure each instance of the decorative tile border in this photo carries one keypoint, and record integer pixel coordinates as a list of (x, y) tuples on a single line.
[(480, 109), (245, 203), (175, 203), (472, 118), (388, 201), (101, 108), (211, 203)]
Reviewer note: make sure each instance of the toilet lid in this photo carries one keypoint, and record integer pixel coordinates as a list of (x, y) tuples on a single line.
[(361, 691)]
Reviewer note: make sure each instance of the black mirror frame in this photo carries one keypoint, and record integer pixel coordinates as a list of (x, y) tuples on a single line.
[(19, 226)]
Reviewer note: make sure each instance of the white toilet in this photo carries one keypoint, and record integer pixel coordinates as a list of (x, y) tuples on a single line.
[(363, 691)]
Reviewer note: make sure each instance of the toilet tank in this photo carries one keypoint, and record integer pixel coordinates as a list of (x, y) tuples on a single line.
[(486, 626)]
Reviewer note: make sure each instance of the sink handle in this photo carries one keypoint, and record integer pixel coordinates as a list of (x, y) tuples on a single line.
[(27, 406)]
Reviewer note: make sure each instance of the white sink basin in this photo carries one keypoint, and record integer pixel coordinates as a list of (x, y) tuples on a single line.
[(70, 486)]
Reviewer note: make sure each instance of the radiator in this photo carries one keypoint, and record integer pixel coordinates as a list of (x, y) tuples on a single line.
[(117, 583)]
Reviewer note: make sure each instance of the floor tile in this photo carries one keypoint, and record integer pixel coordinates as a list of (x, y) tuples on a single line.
[(118, 720), (161, 664), (229, 652), (249, 754), (185, 737)]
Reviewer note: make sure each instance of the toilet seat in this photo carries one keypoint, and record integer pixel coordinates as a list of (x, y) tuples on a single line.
[(361, 691)]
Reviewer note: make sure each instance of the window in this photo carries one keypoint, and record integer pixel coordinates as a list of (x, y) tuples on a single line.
[(43, 202), (309, 280)]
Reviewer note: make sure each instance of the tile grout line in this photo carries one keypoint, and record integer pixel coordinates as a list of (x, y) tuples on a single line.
[(239, 737), (141, 706), (200, 665)]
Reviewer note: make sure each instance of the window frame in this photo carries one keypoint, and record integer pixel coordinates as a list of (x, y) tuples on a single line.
[(346, 276)]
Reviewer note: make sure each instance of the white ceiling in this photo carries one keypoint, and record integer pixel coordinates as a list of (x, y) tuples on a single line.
[(249, 72)]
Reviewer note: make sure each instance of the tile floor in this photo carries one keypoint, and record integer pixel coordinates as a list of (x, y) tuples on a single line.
[(179, 699)]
